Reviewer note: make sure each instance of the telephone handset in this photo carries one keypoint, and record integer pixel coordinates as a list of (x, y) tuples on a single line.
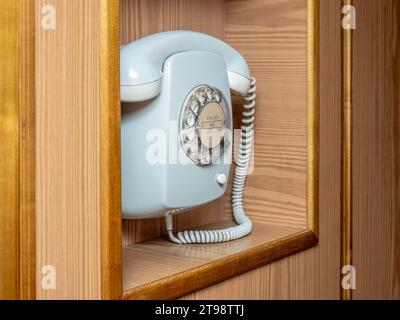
[(176, 129), (142, 62)]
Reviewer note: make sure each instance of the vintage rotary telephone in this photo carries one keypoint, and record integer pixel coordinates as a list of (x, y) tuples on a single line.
[(177, 129)]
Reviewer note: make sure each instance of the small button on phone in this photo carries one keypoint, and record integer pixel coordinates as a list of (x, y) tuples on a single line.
[(221, 179)]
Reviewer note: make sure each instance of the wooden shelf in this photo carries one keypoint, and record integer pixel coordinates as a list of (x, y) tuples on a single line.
[(160, 269)]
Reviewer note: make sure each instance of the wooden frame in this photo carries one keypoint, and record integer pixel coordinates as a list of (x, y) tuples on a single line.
[(17, 168), (9, 165), (110, 169), (194, 279), (347, 142), (27, 150)]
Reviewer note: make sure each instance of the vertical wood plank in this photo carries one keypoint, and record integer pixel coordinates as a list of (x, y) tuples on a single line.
[(110, 150), (27, 144), (313, 113), (9, 151), (376, 157), (68, 150), (272, 37), (347, 150)]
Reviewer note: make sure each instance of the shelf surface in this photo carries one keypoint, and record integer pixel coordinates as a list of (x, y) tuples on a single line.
[(155, 263)]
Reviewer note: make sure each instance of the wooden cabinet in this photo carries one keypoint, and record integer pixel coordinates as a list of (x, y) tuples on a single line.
[(325, 188)]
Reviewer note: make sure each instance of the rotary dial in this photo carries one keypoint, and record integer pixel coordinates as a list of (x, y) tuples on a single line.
[(204, 124)]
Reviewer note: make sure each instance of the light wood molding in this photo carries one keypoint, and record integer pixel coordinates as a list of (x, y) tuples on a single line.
[(17, 165), (27, 144), (313, 113), (9, 151), (110, 150), (347, 179)]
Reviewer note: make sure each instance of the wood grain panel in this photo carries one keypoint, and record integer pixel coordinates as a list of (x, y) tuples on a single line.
[(376, 156), (9, 151), (67, 137), (143, 17), (203, 265), (315, 273), (347, 151), (27, 145), (140, 18), (272, 36), (142, 261), (110, 150), (17, 166)]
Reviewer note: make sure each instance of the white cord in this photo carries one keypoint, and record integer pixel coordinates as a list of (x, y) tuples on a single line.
[(242, 163)]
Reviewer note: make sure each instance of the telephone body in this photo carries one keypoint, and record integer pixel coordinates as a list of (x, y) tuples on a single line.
[(176, 128)]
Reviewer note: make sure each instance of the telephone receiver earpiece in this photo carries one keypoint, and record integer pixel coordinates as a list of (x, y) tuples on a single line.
[(142, 62)]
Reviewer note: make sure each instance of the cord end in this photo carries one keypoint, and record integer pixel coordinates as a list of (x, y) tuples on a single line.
[(169, 223)]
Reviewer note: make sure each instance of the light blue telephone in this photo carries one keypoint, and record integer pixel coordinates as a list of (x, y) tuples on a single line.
[(176, 129)]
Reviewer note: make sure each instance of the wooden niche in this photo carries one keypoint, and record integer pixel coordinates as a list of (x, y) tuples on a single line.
[(278, 39)]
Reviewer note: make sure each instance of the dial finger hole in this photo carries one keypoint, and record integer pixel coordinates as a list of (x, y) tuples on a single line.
[(217, 97), (189, 134), (201, 96), (190, 119), (194, 106), (209, 94)]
